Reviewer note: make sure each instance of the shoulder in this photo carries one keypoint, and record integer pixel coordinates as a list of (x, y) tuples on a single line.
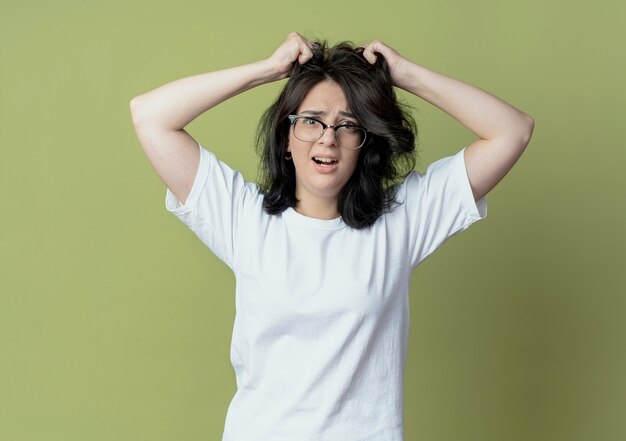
[(441, 187), (220, 171), (216, 187), (434, 178)]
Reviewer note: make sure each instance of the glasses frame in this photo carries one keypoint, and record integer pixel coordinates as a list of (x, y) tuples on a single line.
[(294, 118)]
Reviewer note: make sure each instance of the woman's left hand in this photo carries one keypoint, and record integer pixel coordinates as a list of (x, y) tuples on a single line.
[(397, 63), (504, 131)]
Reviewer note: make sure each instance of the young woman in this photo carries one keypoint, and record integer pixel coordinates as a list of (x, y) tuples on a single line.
[(324, 248)]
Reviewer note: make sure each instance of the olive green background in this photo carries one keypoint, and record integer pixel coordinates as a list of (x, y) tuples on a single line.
[(115, 320)]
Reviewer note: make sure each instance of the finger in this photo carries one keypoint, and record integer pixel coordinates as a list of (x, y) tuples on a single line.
[(304, 47), (306, 50), (369, 55), (305, 55), (375, 47)]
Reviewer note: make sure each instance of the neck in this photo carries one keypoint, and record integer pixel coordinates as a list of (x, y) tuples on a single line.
[(324, 209)]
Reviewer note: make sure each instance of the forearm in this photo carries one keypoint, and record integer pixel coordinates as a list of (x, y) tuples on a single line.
[(174, 105), (485, 115)]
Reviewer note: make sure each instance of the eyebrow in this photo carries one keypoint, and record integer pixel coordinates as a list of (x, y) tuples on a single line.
[(321, 113)]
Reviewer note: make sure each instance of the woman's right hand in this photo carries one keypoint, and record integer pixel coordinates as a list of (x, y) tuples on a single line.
[(295, 47)]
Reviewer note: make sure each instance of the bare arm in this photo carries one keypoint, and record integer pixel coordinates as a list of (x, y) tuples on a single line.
[(159, 116), (504, 131)]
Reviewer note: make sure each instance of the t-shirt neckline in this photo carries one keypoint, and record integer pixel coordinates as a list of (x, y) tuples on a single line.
[(310, 222)]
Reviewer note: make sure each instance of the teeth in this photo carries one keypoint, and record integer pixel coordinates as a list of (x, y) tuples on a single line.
[(325, 160)]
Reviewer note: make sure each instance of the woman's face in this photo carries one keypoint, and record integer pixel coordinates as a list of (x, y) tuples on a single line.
[(315, 179)]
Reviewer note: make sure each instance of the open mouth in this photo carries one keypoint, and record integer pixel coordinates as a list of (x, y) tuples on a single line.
[(325, 162)]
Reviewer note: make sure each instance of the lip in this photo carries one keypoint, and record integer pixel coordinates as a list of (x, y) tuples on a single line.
[(325, 168), (325, 157)]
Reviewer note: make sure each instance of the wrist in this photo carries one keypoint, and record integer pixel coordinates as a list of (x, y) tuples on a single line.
[(405, 75), (259, 73), (272, 71)]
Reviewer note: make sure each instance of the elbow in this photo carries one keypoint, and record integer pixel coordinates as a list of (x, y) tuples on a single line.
[(136, 112), (145, 114), (527, 126), (530, 129), (142, 121)]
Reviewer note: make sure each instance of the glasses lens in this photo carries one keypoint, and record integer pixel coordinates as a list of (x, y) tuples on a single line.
[(310, 130), (306, 129), (350, 137)]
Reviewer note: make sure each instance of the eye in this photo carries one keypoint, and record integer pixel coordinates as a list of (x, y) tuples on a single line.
[(309, 121), (349, 127)]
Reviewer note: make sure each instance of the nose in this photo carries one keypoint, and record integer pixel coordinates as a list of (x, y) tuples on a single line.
[(329, 137)]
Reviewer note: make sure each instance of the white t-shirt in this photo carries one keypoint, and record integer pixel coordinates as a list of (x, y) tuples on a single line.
[(322, 310)]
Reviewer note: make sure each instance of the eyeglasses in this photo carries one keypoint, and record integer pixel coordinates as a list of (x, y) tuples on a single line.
[(309, 129)]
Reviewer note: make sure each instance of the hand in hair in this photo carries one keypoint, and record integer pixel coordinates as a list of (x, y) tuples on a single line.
[(396, 62), (295, 47), (504, 131)]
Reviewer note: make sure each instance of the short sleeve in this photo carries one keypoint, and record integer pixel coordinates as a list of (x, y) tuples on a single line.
[(439, 203), (212, 207)]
